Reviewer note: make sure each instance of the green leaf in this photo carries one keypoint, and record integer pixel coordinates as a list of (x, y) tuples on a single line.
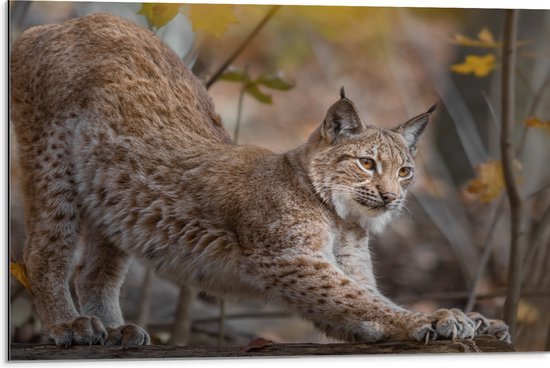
[(253, 90), (233, 74), (276, 81), (159, 14)]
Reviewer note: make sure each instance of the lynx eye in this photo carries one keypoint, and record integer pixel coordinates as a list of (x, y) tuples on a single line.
[(405, 172), (367, 163)]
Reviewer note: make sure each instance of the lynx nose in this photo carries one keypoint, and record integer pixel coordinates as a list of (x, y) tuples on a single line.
[(389, 197)]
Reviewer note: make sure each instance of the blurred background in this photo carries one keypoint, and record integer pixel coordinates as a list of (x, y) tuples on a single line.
[(451, 247)]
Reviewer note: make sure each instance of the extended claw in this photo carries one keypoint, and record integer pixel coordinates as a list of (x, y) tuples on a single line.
[(478, 324), (504, 336), (454, 333), (430, 335)]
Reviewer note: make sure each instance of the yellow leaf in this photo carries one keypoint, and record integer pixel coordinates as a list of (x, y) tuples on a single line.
[(20, 273), (534, 122), (486, 36), (214, 19), (489, 182), (527, 313), (485, 39), (480, 66), (159, 14)]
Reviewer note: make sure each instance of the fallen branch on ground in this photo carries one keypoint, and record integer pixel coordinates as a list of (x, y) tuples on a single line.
[(481, 344)]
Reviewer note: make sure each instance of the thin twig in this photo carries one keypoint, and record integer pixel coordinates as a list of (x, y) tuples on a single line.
[(537, 238), (491, 111), (239, 111), (533, 107), (517, 225), (487, 249), (181, 327), (240, 49)]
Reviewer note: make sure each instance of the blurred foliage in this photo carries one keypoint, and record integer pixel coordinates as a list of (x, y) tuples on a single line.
[(485, 39), (534, 122), (276, 81), (158, 15), (489, 183), (480, 66), (212, 19)]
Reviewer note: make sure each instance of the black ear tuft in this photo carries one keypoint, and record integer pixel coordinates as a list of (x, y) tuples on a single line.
[(412, 129), (342, 93), (432, 109)]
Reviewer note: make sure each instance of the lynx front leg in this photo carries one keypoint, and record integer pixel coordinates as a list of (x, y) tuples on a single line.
[(336, 303), (342, 308), (100, 275)]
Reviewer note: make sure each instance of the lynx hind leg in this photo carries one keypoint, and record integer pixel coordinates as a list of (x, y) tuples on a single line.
[(99, 278), (52, 224)]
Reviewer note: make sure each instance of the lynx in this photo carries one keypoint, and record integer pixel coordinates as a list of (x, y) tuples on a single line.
[(120, 147)]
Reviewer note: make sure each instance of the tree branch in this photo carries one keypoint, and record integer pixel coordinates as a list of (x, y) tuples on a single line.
[(52, 352), (488, 245), (245, 43), (517, 225)]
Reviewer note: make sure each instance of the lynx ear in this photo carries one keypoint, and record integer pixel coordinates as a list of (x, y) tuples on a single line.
[(342, 120), (412, 130)]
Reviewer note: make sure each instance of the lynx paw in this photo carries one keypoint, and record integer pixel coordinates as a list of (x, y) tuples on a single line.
[(453, 324), (499, 329), (492, 327), (82, 330), (424, 332), (128, 335)]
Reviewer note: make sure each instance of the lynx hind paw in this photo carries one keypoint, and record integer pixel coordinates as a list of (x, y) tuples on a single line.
[(453, 324), (128, 335), (82, 330)]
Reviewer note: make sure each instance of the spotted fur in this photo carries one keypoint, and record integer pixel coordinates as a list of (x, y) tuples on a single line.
[(120, 145)]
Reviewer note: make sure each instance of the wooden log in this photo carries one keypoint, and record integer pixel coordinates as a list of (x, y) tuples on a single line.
[(51, 352)]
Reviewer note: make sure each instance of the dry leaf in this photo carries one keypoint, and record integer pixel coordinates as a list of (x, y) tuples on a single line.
[(486, 36), (19, 271), (159, 14), (480, 66), (214, 19), (255, 345), (534, 122), (527, 313), (485, 39), (489, 182)]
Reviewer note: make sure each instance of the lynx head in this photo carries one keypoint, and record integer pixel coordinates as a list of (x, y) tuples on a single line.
[(363, 171)]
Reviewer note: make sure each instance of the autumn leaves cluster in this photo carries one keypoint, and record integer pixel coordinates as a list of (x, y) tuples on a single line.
[(489, 182)]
